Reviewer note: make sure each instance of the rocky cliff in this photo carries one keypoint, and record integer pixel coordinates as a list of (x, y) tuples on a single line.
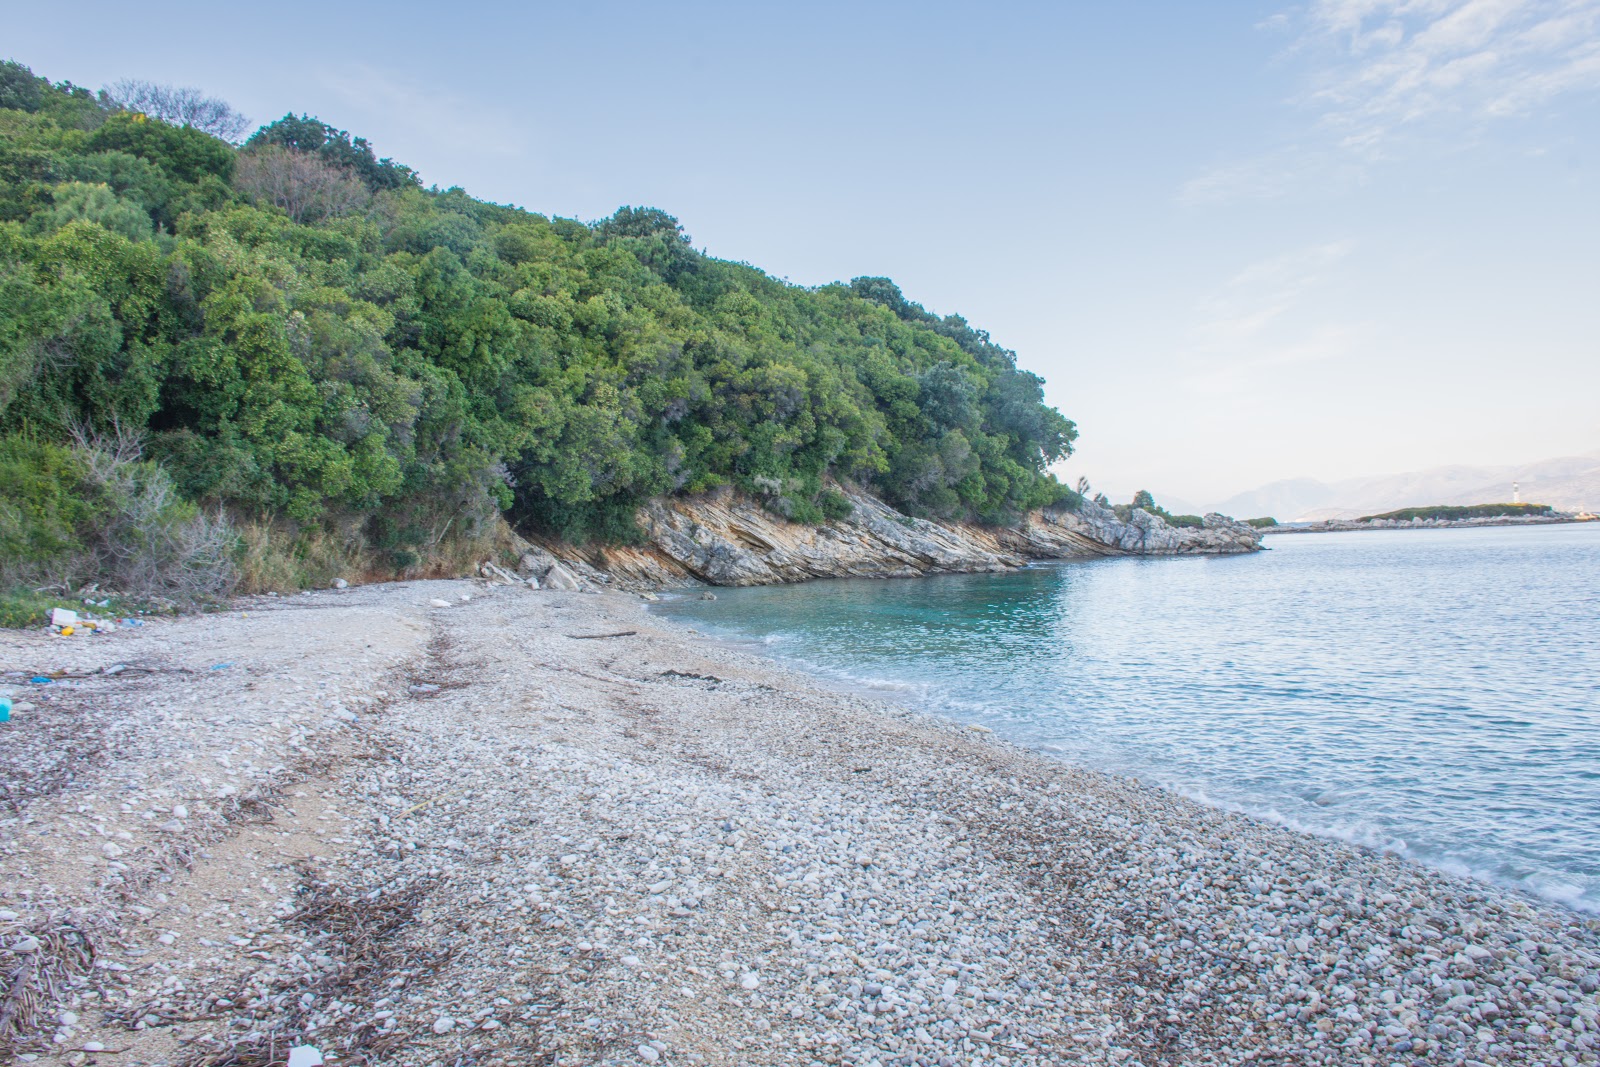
[(725, 538)]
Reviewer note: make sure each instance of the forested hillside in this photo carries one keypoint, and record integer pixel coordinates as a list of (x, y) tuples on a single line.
[(290, 349)]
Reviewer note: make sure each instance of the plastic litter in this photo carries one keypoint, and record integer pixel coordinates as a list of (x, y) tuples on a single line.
[(5, 709), (305, 1056), (68, 631), (63, 617), (40, 679), (220, 666)]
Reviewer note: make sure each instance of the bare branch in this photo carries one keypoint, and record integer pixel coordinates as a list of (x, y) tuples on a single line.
[(186, 106), (301, 183)]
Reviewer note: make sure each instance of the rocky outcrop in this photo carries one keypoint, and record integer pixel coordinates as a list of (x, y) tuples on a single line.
[(726, 538)]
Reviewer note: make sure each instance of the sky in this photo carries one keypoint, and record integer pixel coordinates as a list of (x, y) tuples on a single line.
[(1240, 241)]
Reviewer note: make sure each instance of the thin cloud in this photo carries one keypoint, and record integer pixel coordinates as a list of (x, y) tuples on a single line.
[(1255, 321), (1276, 174), (1378, 68), (452, 124), (1394, 62)]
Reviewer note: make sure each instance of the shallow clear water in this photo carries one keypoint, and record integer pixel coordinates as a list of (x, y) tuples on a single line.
[(1435, 693)]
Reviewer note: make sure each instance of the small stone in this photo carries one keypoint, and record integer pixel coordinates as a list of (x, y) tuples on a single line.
[(168, 939), (749, 981), (437, 603), (443, 1024), (68, 1018), (340, 583), (648, 1054), (24, 945), (180, 812), (93, 1046)]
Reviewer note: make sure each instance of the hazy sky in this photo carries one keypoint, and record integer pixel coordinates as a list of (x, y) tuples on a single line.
[(1241, 241)]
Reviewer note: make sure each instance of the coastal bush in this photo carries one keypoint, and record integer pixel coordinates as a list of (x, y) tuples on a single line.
[(1144, 501), (23, 607), (1264, 523), (307, 340), (95, 512)]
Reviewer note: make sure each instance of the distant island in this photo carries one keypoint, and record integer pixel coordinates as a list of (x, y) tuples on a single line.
[(1436, 516)]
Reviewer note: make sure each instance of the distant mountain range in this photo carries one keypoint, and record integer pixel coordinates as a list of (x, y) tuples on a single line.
[(1569, 483)]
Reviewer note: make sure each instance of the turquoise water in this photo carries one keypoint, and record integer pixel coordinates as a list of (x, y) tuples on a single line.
[(1434, 693)]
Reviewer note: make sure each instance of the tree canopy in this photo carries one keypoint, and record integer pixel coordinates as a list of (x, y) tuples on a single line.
[(301, 331)]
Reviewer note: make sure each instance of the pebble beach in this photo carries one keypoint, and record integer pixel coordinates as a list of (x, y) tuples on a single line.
[(454, 823)]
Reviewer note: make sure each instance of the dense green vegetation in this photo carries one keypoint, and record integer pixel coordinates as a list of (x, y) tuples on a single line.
[(1464, 511), (1266, 522), (296, 337), (1144, 501)]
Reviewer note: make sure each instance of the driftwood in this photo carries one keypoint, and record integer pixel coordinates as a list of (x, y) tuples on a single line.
[(601, 637)]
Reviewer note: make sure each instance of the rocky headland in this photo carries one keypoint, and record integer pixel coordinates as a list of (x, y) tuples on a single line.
[(727, 538)]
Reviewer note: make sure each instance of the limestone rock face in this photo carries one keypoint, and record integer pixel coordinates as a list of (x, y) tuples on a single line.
[(725, 538)]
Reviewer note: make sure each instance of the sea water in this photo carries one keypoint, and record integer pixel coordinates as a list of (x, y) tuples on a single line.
[(1435, 693)]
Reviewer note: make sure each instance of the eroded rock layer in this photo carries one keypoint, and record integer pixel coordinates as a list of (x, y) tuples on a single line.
[(726, 538)]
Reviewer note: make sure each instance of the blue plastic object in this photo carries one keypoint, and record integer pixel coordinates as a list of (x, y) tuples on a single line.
[(40, 679), (5, 709)]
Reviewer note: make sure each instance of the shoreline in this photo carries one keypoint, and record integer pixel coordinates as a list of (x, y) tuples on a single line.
[(912, 698), (1351, 526), (564, 827)]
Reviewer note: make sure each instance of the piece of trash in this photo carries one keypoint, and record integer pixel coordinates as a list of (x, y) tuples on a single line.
[(340, 583), (305, 1056), (5, 709), (63, 617), (220, 666), (67, 631), (437, 603), (40, 679)]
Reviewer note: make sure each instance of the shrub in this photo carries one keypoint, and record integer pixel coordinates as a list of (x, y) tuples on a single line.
[(1263, 523), (23, 607), (834, 504), (97, 512)]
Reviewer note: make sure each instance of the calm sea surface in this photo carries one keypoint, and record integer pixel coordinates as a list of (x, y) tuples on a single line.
[(1435, 693)]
